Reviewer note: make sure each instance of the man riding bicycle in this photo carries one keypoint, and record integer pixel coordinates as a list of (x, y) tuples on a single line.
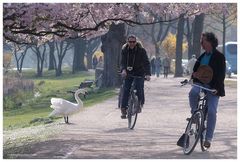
[(216, 60), (134, 62)]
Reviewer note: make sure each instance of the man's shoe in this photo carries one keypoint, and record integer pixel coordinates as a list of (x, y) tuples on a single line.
[(124, 113), (140, 108), (207, 144), (123, 117)]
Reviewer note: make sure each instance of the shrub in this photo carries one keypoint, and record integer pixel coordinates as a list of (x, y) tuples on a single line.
[(16, 100), (8, 103)]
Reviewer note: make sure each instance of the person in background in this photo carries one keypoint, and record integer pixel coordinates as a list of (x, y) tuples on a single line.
[(166, 66), (158, 64), (100, 62), (191, 64), (153, 66)]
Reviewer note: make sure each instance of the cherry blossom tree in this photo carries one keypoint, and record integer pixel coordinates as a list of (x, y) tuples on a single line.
[(25, 22), (62, 19)]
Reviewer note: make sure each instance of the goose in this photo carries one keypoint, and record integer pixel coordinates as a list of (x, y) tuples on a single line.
[(64, 107)]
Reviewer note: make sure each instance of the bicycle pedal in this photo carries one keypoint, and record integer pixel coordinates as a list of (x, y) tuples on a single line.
[(194, 121)]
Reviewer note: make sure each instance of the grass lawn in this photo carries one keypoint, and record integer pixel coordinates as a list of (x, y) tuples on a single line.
[(230, 83), (35, 110)]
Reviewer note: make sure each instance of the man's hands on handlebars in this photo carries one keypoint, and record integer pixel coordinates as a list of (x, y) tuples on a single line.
[(124, 75), (148, 77)]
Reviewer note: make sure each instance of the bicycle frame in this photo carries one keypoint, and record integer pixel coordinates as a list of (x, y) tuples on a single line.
[(202, 101)]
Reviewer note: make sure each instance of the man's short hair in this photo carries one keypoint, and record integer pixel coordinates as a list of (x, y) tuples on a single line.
[(211, 38), (131, 36)]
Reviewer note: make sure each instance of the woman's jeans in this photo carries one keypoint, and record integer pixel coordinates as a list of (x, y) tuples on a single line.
[(212, 103), (139, 86)]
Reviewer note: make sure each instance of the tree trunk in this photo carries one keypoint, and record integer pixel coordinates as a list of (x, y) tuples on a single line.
[(224, 33), (189, 39), (180, 31), (112, 43), (162, 33), (40, 58), (59, 69), (89, 60), (79, 53), (19, 60), (52, 62), (61, 48), (197, 32), (157, 50), (39, 71)]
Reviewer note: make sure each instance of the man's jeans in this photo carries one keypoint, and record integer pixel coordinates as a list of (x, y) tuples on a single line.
[(212, 103), (139, 85)]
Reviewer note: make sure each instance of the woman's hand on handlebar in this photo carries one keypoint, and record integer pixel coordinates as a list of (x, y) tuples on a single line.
[(195, 75), (215, 92)]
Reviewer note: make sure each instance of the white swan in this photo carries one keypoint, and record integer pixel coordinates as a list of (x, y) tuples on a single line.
[(64, 107)]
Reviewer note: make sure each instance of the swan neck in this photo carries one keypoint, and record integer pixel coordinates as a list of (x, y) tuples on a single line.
[(79, 101)]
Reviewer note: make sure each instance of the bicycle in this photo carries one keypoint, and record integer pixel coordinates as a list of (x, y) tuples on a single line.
[(134, 104), (196, 127)]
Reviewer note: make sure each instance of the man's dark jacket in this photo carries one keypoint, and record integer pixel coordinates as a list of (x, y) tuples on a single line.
[(141, 64), (218, 65)]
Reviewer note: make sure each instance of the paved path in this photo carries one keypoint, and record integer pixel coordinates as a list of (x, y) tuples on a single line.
[(98, 132)]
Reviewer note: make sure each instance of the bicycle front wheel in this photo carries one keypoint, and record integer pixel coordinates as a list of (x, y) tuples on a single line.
[(193, 132), (204, 130), (132, 112)]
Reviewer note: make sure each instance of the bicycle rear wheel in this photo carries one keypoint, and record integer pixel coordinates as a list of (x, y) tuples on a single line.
[(132, 112), (192, 132)]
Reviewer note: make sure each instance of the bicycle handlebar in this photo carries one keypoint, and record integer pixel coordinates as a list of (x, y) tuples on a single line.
[(188, 82), (133, 76)]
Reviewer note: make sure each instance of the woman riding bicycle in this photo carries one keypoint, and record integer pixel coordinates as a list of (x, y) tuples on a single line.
[(216, 61), (134, 62)]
